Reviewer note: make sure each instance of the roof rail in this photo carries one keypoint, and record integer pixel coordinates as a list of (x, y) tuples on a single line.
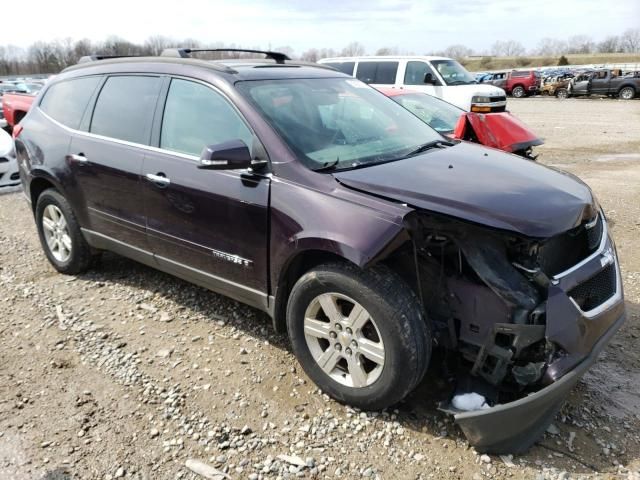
[(186, 52), (93, 58)]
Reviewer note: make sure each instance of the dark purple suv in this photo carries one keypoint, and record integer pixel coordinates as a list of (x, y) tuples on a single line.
[(368, 237)]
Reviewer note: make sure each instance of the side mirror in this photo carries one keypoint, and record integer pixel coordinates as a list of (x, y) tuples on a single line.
[(429, 80), (231, 155)]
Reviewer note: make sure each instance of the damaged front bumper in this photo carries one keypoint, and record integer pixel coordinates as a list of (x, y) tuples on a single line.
[(515, 426), (580, 321)]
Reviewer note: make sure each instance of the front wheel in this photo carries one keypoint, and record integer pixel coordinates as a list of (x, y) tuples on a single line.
[(360, 335), (518, 92), (562, 93), (627, 93)]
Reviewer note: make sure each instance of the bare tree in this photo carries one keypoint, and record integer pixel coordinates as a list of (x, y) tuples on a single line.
[(457, 51), (507, 48), (630, 40), (354, 49), (611, 44), (327, 53), (580, 44), (551, 46), (157, 43), (387, 51), (311, 55)]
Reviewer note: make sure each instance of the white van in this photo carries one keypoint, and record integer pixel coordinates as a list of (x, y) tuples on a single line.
[(438, 76)]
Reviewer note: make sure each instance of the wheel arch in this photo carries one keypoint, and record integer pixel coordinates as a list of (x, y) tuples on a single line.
[(296, 266), (39, 184)]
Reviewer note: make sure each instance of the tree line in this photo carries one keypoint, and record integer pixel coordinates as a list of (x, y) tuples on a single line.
[(51, 57)]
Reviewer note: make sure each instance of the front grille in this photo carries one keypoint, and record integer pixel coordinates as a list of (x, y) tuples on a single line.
[(597, 290), (4, 160), (567, 249), (499, 99)]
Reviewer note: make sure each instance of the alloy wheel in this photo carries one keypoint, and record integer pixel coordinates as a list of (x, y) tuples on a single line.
[(627, 93), (344, 340), (56, 233)]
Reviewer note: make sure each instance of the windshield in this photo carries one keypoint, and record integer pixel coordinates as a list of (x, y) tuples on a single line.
[(453, 73), (337, 122), (438, 114)]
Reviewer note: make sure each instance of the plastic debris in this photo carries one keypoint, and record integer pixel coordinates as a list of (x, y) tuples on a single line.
[(469, 402)]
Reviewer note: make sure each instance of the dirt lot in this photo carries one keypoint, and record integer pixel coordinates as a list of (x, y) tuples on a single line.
[(126, 372)]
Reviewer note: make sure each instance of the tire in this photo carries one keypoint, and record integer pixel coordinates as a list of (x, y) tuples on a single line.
[(518, 91), (60, 235), (385, 356), (627, 93), (562, 93)]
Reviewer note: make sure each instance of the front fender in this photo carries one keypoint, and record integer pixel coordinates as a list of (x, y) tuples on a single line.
[(359, 228)]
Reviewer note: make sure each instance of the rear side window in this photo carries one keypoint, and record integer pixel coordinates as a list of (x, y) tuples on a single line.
[(520, 74), (67, 101), (125, 107), (344, 67), (381, 73), (196, 116)]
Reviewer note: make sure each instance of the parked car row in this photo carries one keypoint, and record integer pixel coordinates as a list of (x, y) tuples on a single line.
[(440, 77), (566, 82), (517, 83), (365, 234)]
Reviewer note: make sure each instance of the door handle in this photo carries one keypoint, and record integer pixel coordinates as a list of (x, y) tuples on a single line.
[(159, 179), (80, 158)]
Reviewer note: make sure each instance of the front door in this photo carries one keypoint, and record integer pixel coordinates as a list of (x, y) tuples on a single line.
[(581, 85), (414, 76), (208, 226), (600, 83), (107, 162)]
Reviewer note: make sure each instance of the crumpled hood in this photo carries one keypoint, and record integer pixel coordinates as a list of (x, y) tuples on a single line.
[(481, 185)]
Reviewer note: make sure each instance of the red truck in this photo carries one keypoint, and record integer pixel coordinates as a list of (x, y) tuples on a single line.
[(517, 83), (15, 106)]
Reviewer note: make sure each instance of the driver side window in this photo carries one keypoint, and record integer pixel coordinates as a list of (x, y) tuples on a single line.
[(196, 116), (415, 73)]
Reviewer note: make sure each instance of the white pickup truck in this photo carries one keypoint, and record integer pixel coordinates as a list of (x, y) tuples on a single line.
[(441, 77)]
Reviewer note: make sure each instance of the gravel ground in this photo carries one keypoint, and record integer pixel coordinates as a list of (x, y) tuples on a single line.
[(125, 372)]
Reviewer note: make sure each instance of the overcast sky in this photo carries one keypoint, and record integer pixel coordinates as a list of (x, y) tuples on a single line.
[(415, 26)]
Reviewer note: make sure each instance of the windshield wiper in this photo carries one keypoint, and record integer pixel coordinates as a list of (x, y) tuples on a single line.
[(428, 146), (328, 166)]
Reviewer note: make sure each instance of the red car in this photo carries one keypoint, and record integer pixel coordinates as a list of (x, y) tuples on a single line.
[(499, 130), (15, 106)]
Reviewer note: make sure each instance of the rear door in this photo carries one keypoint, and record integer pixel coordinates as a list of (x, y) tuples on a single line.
[(107, 161), (208, 226)]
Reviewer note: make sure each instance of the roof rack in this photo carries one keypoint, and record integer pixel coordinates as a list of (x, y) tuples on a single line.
[(278, 57), (93, 58)]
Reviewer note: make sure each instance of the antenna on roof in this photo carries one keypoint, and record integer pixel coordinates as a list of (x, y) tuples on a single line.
[(186, 52)]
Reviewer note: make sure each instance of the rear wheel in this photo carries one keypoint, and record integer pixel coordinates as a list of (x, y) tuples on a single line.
[(359, 334), (60, 235), (627, 93), (562, 93), (518, 91)]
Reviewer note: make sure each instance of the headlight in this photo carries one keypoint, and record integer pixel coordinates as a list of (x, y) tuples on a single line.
[(480, 99)]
